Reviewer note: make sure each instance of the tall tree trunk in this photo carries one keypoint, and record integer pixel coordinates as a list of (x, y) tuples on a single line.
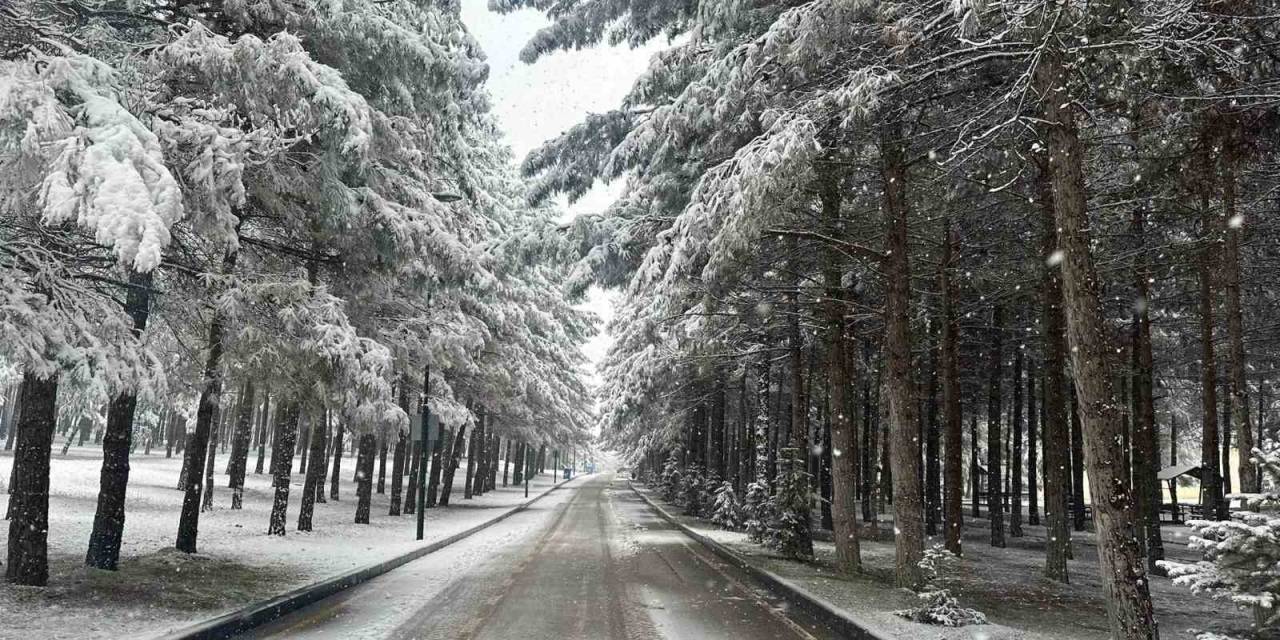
[(282, 467), (844, 440), (1249, 482), (1212, 503), (240, 443), (108, 520), (397, 471), (799, 440), (1033, 468), (194, 456), (908, 510), (382, 462), (975, 473), (313, 485), (517, 474), (28, 552), (437, 454), (337, 461), (1127, 589), (952, 426), (1077, 463), (1146, 465), (411, 492), (1015, 463), (364, 483), (206, 498), (451, 465), (716, 451), (995, 442), (265, 425), (506, 463), (1056, 438)]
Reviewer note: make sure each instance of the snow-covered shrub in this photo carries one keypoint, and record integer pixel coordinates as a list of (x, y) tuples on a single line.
[(788, 528), (692, 497), (937, 605), (727, 511), (941, 608), (1241, 556), (757, 511), (672, 481)]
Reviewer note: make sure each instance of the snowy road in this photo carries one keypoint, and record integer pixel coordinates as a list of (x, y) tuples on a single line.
[(587, 563)]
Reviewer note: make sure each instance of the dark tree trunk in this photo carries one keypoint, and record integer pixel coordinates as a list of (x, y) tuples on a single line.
[(108, 520), (842, 434), (194, 456), (313, 485), (411, 493), (1126, 587), (995, 443), (908, 507), (364, 481), (206, 498), (282, 467), (1056, 433), (506, 463), (975, 472), (265, 425), (305, 450), (932, 447), (517, 473), (715, 453), (952, 426), (1033, 469), (451, 465), (1146, 455), (397, 471), (437, 456), (1077, 465), (240, 446), (337, 461), (382, 462), (869, 429), (1212, 502), (1015, 463), (28, 552), (1239, 387)]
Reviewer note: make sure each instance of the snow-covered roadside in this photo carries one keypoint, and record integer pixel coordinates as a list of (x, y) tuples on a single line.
[(1005, 584), (158, 589)]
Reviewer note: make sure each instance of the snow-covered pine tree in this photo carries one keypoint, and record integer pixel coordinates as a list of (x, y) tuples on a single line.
[(1241, 555)]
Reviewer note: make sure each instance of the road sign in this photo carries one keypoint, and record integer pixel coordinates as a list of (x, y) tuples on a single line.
[(433, 427)]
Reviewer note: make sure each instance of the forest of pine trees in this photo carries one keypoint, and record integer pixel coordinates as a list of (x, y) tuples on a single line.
[(270, 230), (882, 266), (927, 255)]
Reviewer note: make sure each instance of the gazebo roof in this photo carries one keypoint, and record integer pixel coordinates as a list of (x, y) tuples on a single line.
[(1169, 473)]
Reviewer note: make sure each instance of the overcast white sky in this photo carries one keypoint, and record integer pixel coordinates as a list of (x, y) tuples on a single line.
[(539, 101)]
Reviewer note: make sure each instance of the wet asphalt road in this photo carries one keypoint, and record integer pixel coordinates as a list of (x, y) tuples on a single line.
[(590, 562)]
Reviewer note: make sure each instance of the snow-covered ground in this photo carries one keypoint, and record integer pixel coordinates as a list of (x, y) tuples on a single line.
[(1005, 584), (158, 589)]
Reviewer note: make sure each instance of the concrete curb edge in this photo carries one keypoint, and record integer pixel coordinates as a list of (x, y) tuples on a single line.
[(837, 619), (259, 613)]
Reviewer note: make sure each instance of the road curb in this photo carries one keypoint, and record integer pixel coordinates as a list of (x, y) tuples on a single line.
[(259, 613), (837, 619)]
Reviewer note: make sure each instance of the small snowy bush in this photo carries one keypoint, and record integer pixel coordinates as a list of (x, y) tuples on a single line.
[(727, 512), (937, 605), (671, 483), (788, 528), (1241, 556), (757, 512), (693, 496)]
